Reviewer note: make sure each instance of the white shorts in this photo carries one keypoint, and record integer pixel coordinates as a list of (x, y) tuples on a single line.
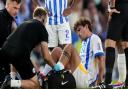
[(81, 77), (59, 34)]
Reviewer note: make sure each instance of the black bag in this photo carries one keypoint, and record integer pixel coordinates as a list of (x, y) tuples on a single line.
[(59, 80)]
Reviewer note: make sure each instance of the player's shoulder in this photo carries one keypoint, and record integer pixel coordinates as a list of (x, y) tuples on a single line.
[(34, 23), (94, 36)]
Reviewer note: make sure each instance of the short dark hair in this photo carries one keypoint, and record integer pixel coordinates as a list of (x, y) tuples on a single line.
[(82, 22), (18, 1), (39, 11)]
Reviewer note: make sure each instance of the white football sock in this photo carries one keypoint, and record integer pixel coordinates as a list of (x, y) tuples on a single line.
[(15, 83), (121, 67)]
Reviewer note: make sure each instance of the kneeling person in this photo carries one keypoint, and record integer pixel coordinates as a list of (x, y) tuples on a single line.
[(16, 50)]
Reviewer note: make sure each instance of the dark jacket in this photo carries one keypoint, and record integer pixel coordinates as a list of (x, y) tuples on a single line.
[(5, 25)]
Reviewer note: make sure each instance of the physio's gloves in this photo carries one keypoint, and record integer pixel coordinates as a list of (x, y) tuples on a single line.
[(59, 66)]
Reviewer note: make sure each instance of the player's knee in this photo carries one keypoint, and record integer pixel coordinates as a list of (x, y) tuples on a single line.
[(56, 53), (57, 50), (110, 43), (35, 85), (30, 85), (69, 47)]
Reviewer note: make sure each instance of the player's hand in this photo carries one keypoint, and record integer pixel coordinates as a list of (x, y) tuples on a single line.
[(67, 11), (111, 11)]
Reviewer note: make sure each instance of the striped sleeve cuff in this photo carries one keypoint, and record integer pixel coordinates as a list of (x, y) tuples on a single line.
[(99, 54)]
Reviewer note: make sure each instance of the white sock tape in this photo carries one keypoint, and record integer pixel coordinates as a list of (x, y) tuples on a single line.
[(15, 83)]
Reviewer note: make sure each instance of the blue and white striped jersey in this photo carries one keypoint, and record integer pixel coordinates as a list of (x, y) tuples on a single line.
[(91, 48), (56, 8)]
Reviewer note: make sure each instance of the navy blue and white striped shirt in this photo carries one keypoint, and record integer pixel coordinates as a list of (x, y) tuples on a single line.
[(56, 8)]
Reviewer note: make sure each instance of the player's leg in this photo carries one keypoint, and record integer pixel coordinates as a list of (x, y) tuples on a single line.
[(68, 56), (110, 58), (125, 43), (121, 62), (28, 75), (56, 54), (117, 23), (71, 58), (64, 34), (53, 36), (126, 57), (31, 83)]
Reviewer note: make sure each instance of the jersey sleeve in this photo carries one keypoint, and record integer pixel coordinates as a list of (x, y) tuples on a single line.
[(97, 46), (43, 34)]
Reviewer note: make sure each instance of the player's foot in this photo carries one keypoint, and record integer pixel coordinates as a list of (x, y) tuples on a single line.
[(118, 85), (103, 86)]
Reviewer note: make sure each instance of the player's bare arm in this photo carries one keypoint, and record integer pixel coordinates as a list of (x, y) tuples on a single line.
[(101, 63), (46, 54), (69, 10), (111, 8)]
